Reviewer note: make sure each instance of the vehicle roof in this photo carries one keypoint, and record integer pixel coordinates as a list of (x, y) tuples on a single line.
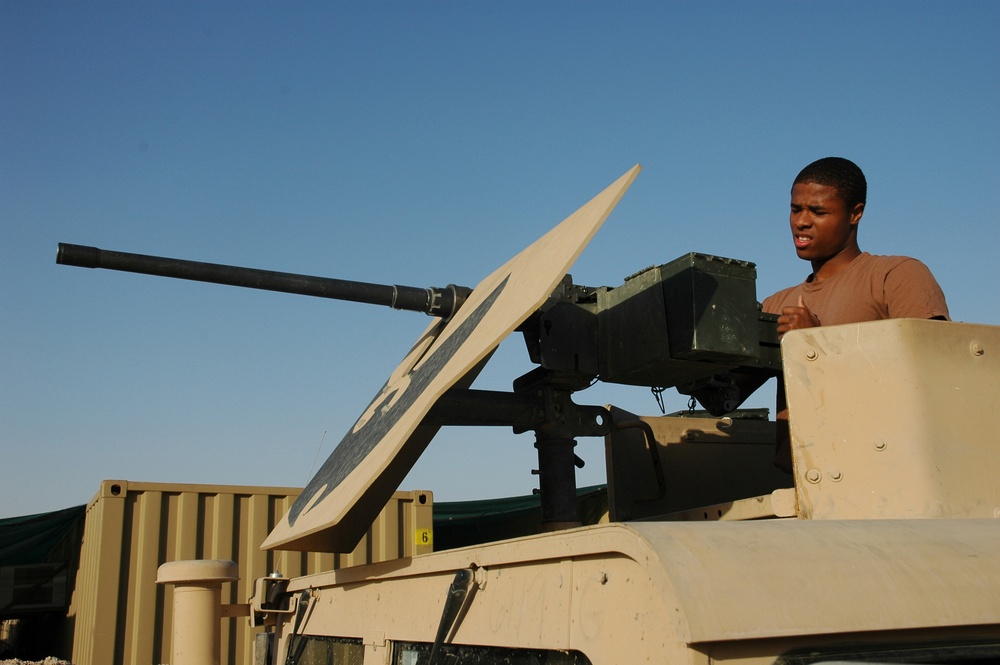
[(741, 580), (765, 578)]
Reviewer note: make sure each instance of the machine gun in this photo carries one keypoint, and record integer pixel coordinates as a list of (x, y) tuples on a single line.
[(688, 324)]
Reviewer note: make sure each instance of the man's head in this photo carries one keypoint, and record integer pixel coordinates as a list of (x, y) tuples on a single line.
[(828, 200), (840, 173)]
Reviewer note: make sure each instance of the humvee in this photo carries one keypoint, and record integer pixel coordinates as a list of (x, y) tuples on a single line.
[(883, 545)]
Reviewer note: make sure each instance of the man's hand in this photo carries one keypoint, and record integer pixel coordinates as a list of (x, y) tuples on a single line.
[(796, 318)]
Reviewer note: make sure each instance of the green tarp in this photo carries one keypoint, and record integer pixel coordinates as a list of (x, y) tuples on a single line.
[(461, 523), (33, 538)]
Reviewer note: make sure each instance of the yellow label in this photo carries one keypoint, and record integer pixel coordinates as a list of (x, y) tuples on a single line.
[(425, 537)]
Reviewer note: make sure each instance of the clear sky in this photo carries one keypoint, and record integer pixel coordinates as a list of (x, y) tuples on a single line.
[(424, 144)]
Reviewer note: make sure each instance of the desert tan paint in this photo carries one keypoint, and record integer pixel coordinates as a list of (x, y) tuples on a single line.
[(654, 592), (711, 468), (895, 420), (873, 563), (197, 615)]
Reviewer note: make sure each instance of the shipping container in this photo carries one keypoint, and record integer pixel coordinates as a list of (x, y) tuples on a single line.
[(120, 616)]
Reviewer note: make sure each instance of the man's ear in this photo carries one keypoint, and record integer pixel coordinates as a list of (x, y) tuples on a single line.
[(859, 210)]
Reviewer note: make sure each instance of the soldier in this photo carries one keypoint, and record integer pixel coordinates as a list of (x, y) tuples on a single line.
[(846, 285)]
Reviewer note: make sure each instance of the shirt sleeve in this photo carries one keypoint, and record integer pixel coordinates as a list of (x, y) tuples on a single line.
[(911, 292)]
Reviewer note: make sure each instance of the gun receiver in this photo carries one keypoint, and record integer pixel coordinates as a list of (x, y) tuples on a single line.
[(433, 301)]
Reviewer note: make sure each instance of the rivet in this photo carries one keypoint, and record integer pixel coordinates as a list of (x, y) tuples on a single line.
[(880, 444), (977, 348), (814, 476), (836, 475), (811, 354)]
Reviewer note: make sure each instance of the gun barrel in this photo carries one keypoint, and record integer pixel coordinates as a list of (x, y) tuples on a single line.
[(434, 301)]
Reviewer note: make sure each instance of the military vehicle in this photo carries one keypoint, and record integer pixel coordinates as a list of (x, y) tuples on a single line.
[(883, 545)]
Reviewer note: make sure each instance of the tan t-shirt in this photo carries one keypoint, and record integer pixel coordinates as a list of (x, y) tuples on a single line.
[(869, 288)]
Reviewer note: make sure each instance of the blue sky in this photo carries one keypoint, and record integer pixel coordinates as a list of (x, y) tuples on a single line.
[(424, 144)]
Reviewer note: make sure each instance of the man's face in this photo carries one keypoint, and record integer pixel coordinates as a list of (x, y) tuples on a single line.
[(822, 226)]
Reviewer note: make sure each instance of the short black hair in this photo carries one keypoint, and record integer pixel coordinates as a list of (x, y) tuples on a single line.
[(840, 173)]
